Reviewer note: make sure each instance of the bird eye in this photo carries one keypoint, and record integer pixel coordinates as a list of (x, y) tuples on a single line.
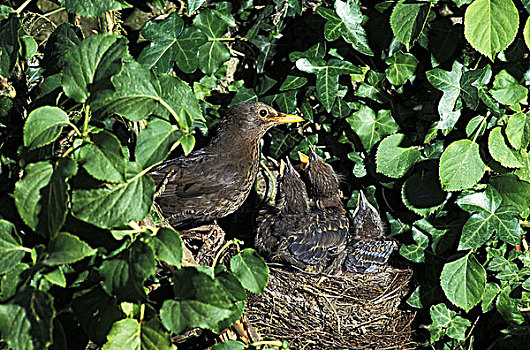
[(263, 113)]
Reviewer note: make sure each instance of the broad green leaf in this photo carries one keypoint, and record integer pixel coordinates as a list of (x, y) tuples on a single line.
[(56, 276), (62, 39), (395, 161), (518, 130), (449, 84), (55, 197), (371, 128), (401, 68), (474, 125), (441, 239), (350, 13), (415, 252), (66, 249), (129, 334), (526, 33), (230, 345), (124, 275), (523, 173), (90, 65), (461, 166), (9, 44), (11, 249), (200, 301), (293, 82), (28, 192), (139, 93), (444, 38), (514, 192), (187, 142), (104, 158), (155, 142), (43, 126), (463, 282), (408, 20), (94, 301), (114, 205), (15, 328), (327, 76), (491, 25), (171, 43), (491, 291), (236, 294), (251, 270), (10, 281), (422, 193), (472, 81), (500, 151), (167, 246), (93, 8), (507, 90)]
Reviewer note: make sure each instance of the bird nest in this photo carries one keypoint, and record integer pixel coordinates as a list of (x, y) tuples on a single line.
[(314, 311)]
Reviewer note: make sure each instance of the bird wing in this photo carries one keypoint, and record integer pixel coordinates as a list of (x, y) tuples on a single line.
[(326, 233), (368, 256)]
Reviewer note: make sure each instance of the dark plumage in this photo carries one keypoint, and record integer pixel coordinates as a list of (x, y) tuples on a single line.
[(325, 238), (214, 181), (287, 218), (367, 252)]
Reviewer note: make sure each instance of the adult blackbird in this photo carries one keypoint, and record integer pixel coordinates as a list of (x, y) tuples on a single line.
[(287, 218), (214, 181), (367, 251), (324, 241)]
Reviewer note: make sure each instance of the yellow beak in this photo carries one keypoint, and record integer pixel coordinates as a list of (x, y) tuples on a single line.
[(287, 118), (303, 158)]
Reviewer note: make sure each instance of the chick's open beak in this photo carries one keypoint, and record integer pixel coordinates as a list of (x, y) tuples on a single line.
[(303, 158), (283, 118)]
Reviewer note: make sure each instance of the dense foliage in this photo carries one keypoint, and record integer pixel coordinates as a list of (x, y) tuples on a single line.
[(423, 104)]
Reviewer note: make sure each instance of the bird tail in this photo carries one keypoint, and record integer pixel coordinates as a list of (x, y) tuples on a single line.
[(369, 256)]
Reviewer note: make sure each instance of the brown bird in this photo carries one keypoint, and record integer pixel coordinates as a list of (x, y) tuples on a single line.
[(214, 181), (367, 251), (324, 241), (289, 217)]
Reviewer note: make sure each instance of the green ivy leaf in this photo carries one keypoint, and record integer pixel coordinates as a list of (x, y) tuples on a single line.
[(93, 8), (104, 158), (491, 25), (214, 52), (461, 166), (293, 82), (371, 128), (523, 173), (114, 205), (500, 151), (130, 334), (514, 192), (11, 281), (449, 84), (187, 142), (11, 249), (251, 270), (66, 249), (491, 291), (508, 307), (56, 276), (445, 321), (15, 328), (408, 20), (171, 43), (90, 65), (28, 192), (463, 282), (415, 252), (401, 68), (167, 246), (155, 142), (327, 76), (395, 161), (351, 16), (43, 126)]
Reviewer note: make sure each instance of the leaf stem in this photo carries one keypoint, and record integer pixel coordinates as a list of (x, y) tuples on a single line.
[(478, 129), (277, 343), (225, 39), (170, 109), (77, 131), (85, 125), (23, 6), (225, 247)]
